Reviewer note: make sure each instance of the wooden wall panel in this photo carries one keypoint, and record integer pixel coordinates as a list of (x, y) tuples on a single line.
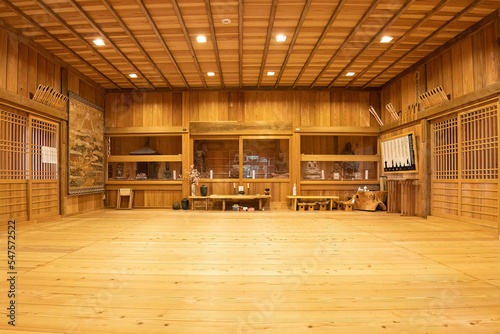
[(303, 108), (469, 65), (13, 200)]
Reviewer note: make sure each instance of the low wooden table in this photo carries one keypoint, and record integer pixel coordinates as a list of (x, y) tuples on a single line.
[(193, 198), (323, 197), (237, 198)]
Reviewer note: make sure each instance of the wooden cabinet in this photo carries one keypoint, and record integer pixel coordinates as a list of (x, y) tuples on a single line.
[(147, 161), (338, 162)]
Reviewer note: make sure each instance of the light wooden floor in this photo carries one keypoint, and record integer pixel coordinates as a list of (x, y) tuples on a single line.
[(159, 271)]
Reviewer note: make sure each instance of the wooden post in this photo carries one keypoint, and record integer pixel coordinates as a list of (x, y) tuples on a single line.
[(63, 166), (425, 168)]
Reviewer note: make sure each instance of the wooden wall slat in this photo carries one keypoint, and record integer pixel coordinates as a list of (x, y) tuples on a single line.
[(4, 36), (467, 66)]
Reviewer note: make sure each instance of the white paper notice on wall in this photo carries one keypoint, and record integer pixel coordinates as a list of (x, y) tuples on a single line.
[(49, 155)]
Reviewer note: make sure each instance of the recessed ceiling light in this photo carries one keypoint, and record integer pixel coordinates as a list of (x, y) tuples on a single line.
[(201, 39), (210, 74), (350, 74), (133, 75), (280, 38), (270, 73), (226, 21), (386, 39), (99, 42)]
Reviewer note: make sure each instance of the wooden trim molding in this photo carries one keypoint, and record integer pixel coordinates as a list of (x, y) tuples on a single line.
[(240, 128)]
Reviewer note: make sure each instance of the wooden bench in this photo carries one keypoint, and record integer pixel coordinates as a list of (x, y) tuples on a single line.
[(225, 198), (296, 199), (194, 198)]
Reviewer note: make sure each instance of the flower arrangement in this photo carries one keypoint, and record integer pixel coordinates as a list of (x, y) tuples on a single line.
[(192, 175)]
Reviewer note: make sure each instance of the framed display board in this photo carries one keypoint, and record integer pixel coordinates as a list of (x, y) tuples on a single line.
[(399, 154)]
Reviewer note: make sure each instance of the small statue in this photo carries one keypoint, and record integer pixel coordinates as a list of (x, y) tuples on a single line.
[(312, 172), (200, 159), (350, 167), (167, 174), (281, 166), (119, 171), (127, 175), (141, 176)]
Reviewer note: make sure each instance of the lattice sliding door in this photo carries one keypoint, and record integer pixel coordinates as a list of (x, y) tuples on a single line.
[(14, 166), (479, 157), (465, 166), (445, 194), (44, 168), (29, 182)]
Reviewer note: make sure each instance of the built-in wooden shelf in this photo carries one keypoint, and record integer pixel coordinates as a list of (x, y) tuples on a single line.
[(145, 131), (148, 182), (338, 130), (325, 182), (244, 180), (144, 158), (338, 157)]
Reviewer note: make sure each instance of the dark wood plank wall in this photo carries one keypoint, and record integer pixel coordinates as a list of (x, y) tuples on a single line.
[(22, 68)]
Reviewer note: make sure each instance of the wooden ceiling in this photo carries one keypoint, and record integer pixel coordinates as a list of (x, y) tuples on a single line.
[(156, 39)]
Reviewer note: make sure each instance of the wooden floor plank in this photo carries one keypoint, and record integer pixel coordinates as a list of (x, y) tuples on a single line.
[(163, 271)]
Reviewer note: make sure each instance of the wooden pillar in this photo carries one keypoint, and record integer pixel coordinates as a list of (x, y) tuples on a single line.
[(425, 169)]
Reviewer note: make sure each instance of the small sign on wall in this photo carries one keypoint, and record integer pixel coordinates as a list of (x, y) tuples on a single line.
[(49, 155)]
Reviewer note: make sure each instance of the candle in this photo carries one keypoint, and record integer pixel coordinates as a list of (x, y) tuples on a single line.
[(173, 174), (234, 185), (253, 174), (211, 174), (322, 174), (248, 185), (366, 174)]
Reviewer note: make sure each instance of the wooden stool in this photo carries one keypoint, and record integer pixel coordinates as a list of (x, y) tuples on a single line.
[(123, 192), (302, 206), (323, 205), (348, 206), (310, 206), (340, 205), (334, 205)]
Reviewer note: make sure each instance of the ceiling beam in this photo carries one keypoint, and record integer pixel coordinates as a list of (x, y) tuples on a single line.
[(241, 12), (332, 19), (424, 19), (48, 34), (214, 40), (188, 41), (425, 40), (354, 30), (294, 39), (106, 38), (270, 26), (375, 38), (129, 33), (75, 33), (162, 41)]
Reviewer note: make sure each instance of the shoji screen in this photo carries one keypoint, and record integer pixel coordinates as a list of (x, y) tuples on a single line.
[(29, 185), (14, 166), (44, 174), (465, 165)]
